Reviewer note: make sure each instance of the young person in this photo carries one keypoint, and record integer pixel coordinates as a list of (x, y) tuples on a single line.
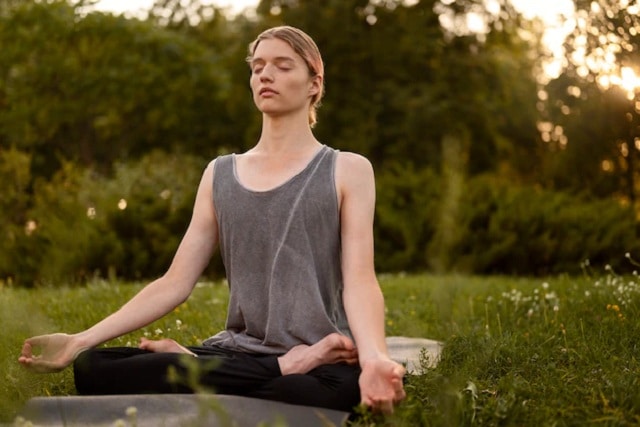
[(294, 222)]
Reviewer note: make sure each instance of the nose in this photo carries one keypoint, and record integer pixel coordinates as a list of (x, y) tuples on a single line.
[(267, 73)]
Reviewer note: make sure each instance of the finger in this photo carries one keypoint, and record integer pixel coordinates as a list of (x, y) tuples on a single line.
[(399, 395), (37, 340), (386, 407), (399, 371), (347, 343), (27, 350), (352, 361), (381, 406), (346, 355)]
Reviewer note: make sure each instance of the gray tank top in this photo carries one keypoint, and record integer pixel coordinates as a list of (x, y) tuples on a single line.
[(281, 252)]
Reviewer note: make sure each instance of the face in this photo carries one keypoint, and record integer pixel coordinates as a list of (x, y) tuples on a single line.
[(280, 79)]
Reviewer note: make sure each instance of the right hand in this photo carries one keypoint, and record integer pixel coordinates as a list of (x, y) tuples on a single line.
[(50, 353)]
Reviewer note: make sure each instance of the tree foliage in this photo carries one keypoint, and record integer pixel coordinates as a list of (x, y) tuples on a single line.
[(99, 110), (99, 88), (593, 107)]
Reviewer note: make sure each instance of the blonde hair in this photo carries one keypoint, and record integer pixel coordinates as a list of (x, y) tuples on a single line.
[(304, 46)]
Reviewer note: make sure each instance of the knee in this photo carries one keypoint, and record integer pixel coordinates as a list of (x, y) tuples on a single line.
[(82, 372), (303, 389)]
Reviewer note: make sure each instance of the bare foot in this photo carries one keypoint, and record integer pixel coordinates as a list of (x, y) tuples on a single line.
[(164, 345), (333, 348)]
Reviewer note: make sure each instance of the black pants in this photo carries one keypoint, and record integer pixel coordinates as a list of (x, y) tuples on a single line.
[(126, 370)]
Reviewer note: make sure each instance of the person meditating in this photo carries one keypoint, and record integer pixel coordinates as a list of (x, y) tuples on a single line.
[(293, 219)]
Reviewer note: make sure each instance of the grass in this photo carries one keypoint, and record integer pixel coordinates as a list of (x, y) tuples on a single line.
[(559, 351)]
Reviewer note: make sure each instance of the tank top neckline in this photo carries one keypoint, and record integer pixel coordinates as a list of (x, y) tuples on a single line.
[(312, 161)]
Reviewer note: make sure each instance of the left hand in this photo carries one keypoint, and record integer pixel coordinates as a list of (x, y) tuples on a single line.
[(381, 384), (50, 353)]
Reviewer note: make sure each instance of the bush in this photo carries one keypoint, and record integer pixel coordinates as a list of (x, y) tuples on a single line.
[(128, 226), (148, 206), (527, 230), (15, 176), (498, 227), (406, 214)]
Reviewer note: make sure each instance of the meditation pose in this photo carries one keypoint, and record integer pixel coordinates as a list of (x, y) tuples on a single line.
[(293, 220)]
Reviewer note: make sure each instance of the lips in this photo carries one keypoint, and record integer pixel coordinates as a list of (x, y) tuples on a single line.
[(267, 91)]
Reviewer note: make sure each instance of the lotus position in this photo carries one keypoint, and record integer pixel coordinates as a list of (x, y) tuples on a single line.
[(293, 219)]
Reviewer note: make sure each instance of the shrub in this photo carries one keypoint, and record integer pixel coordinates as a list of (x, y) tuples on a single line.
[(407, 210), (14, 226), (128, 225), (527, 230), (497, 227)]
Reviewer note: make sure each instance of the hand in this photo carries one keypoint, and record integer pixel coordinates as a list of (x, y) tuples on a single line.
[(381, 384), (50, 353)]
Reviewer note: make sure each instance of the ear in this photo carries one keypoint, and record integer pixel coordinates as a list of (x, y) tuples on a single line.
[(316, 85)]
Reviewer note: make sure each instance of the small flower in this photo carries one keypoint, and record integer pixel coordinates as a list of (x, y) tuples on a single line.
[(158, 331), (131, 411)]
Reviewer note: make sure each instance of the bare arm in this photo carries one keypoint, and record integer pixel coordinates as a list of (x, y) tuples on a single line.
[(151, 303), (381, 379)]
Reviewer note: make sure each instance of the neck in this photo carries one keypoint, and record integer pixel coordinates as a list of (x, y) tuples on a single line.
[(280, 134)]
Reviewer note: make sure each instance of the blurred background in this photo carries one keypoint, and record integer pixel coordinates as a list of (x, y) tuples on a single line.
[(505, 135)]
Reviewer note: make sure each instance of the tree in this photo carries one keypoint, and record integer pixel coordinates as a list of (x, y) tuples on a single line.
[(97, 88), (593, 107), (398, 82)]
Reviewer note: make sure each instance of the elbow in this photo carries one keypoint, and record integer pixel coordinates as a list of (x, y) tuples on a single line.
[(177, 290)]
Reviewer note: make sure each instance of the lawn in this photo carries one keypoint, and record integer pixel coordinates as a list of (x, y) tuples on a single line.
[(522, 352)]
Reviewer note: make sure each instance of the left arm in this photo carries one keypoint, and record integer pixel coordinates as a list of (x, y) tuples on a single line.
[(381, 378)]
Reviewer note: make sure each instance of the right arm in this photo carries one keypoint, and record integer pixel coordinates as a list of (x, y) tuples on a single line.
[(151, 303)]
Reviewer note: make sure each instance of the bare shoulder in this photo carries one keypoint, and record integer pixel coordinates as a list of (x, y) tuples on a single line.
[(349, 159), (211, 166), (352, 167), (354, 178)]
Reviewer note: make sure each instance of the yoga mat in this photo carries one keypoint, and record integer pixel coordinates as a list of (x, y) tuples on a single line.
[(173, 410), (189, 410)]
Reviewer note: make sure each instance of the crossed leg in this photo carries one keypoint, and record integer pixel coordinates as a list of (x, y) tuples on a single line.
[(334, 348), (326, 382)]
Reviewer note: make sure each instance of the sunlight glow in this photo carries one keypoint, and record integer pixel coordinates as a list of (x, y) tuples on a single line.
[(629, 81)]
